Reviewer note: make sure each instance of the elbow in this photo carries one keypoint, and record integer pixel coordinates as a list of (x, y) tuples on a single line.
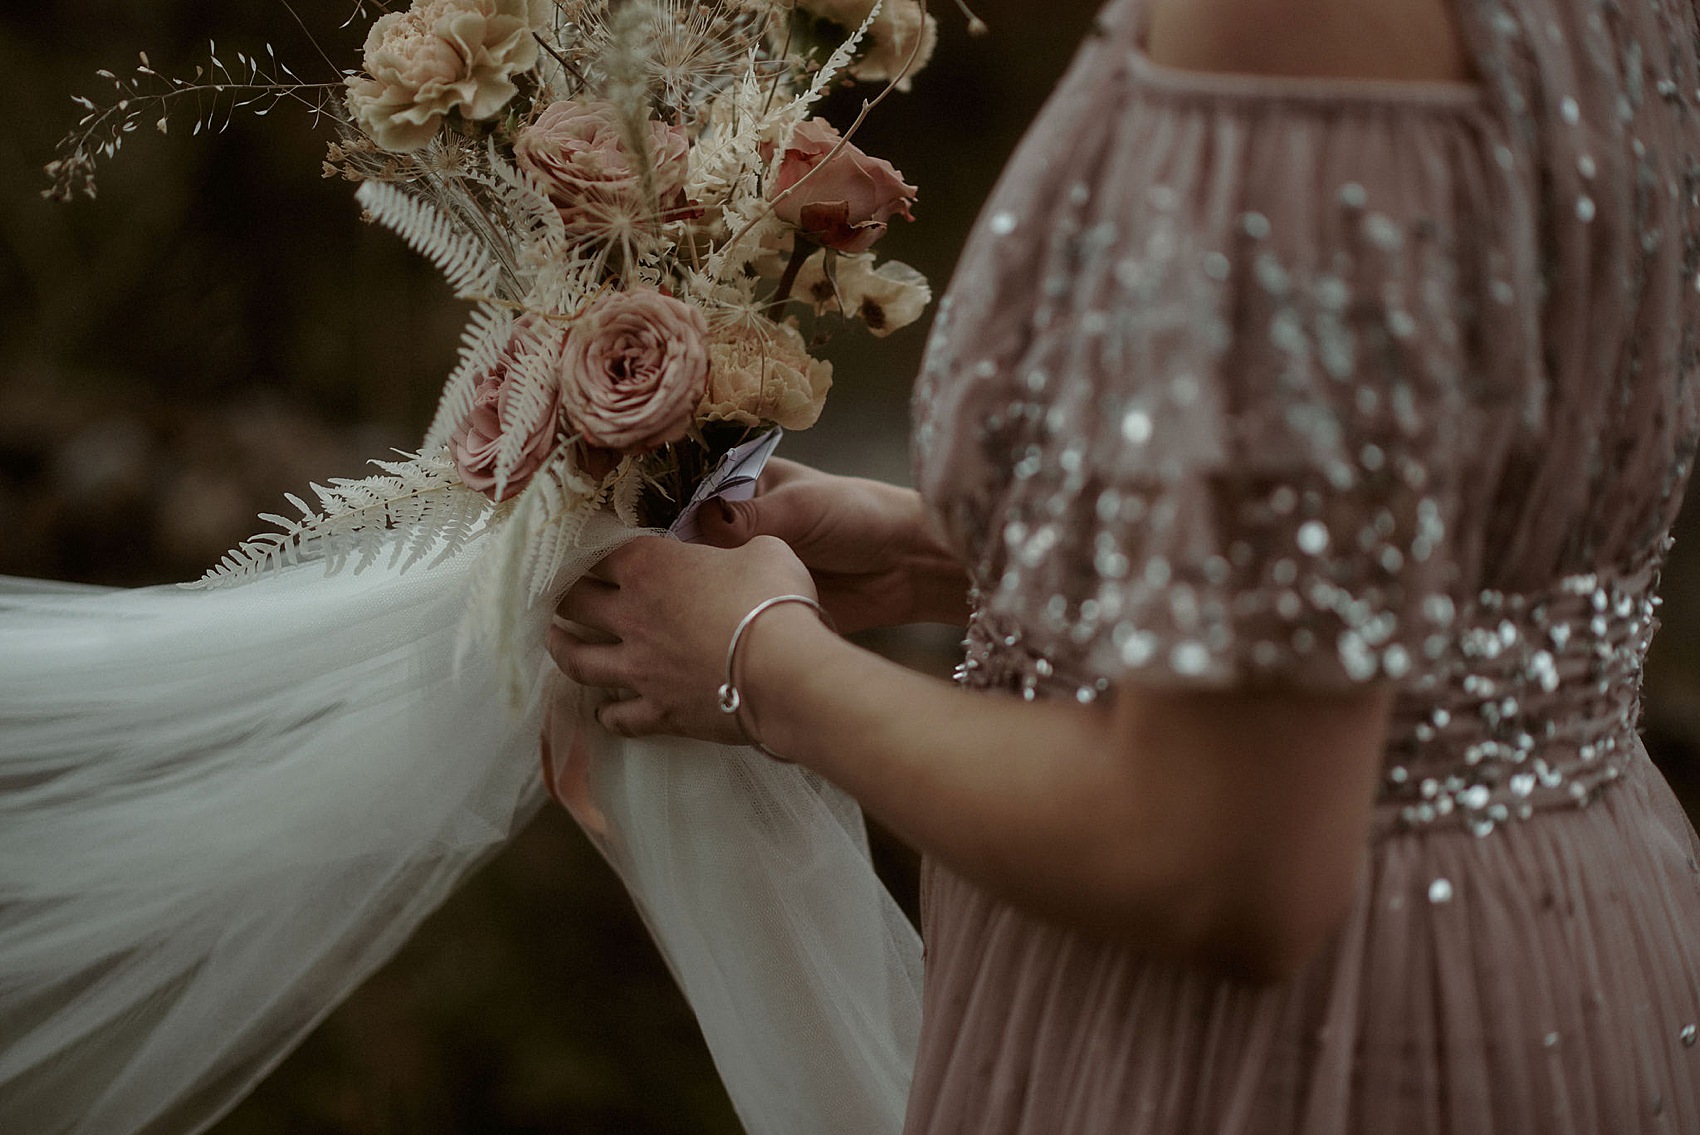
[(1259, 927), (1270, 952), (1262, 927), (1270, 934)]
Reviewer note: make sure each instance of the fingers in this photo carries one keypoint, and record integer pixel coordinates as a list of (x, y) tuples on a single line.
[(771, 512), (630, 556), (787, 515), (780, 471), (727, 524), (587, 663), (591, 603), (635, 717)]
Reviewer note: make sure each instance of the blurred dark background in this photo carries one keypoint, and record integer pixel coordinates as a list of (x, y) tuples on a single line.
[(218, 328)]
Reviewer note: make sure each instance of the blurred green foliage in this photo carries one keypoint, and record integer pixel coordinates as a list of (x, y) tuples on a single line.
[(219, 328)]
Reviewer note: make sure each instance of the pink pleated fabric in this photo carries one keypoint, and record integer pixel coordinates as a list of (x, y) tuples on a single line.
[(1322, 383)]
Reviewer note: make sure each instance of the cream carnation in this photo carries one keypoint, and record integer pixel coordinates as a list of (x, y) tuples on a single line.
[(634, 370), (764, 373), (436, 57)]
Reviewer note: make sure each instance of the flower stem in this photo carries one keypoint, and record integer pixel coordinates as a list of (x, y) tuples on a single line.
[(800, 251)]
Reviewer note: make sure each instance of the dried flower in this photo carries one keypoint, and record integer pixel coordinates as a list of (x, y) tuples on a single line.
[(440, 56), (887, 298), (890, 39), (763, 372), (578, 153), (634, 369), (898, 32), (504, 404), (847, 204)]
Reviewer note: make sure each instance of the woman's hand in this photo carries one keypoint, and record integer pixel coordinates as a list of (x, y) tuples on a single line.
[(653, 620), (874, 560)]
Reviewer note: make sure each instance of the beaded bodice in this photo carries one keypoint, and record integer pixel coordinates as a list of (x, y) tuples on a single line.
[(1320, 383)]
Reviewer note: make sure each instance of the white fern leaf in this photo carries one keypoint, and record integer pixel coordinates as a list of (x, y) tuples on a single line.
[(531, 397), (357, 520), (841, 58), (571, 502), (538, 532), (487, 335), (627, 493), (533, 220), (567, 284), (463, 258)]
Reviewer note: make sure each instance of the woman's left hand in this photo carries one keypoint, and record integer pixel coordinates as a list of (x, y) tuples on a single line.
[(653, 621)]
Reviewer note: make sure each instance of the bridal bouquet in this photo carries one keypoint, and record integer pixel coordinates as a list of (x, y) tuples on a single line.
[(226, 807), (654, 233)]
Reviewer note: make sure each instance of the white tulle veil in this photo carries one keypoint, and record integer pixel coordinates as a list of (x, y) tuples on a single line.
[(221, 810)]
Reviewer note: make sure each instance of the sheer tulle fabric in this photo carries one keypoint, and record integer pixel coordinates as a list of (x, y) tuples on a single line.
[(222, 810), (814, 1013)]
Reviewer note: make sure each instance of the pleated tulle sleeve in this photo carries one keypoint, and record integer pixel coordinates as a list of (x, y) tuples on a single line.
[(1226, 371)]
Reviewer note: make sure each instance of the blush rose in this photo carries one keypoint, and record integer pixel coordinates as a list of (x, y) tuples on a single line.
[(849, 203), (634, 370), (477, 443), (578, 152)]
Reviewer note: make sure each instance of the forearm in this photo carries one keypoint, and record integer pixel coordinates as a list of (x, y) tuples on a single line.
[(1045, 803), (954, 773)]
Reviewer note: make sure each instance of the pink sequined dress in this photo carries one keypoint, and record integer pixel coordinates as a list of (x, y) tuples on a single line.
[(1323, 383)]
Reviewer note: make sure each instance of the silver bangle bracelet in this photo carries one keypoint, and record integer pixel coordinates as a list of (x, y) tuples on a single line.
[(730, 699)]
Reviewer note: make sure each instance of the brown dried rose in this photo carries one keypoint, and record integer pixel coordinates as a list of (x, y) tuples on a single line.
[(634, 369), (764, 373), (477, 442), (440, 56), (578, 153), (847, 205)]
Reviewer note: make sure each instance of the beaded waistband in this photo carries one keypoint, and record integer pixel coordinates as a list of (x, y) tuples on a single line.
[(1529, 701), (1533, 703)]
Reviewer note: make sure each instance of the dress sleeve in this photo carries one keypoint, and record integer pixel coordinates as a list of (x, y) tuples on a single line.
[(1229, 374)]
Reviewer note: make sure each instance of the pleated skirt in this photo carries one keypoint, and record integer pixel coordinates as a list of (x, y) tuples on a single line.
[(1543, 979)]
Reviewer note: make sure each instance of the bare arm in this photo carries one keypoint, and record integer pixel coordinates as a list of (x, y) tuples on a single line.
[(1224, 826), (1227, 826)]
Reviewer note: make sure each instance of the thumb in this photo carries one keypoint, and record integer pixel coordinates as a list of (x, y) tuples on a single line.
[(729, 524)]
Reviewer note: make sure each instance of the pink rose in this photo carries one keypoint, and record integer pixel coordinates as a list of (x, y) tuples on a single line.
[(634, 370), (577, 151), (846, 205), (477, 443)]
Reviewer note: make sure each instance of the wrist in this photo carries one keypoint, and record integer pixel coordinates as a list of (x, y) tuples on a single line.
[(783, 644)]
